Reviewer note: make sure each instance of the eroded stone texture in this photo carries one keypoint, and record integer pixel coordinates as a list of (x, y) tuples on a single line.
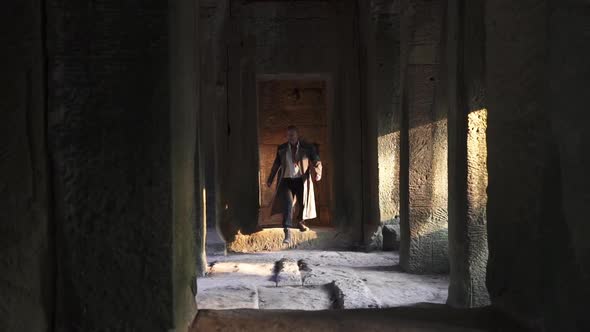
[(271, 239), (386, 91), (379, 23), (296, 298), (538, 161), (26, 237), (468, 177), (232, 296), (394, 289), (350, 280), (424, 239), (122, 131)]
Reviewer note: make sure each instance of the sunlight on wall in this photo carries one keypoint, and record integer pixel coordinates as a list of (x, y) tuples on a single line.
[(388, 159), (428, 183), (204, 211), (477, 168), (440, 173)]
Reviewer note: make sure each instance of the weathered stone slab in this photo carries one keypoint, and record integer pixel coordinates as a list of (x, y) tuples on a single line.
[(321, 275), (240, 296), (288, 275), (352, 293), (228, 273), (296, 297), (393, 289)]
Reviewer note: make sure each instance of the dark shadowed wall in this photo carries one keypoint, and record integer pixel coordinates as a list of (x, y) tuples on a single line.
[(537, 69), (26, 250), (122, 126)]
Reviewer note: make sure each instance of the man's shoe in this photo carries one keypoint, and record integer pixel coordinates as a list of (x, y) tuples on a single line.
[(302, 227), (287, 239)]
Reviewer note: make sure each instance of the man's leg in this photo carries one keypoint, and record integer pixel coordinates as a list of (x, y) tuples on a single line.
[(287, 198), (298, 191)]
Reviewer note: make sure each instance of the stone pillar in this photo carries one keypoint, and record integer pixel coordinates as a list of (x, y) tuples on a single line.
[(423, 142), (213, 103), (468, 178), (386, 18), (380, 31), (368, 122), (123, 134), (189, 219)]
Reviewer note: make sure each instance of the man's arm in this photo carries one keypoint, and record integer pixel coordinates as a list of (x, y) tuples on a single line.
[(316, 163), (275, 168)]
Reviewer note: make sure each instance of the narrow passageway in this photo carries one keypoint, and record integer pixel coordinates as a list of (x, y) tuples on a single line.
[(428, 160), (314, 280)]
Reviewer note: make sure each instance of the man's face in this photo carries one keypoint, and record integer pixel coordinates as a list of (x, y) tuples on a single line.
[(292, 136)]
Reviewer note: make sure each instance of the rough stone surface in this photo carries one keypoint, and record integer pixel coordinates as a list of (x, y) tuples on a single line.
[(27, 262), (468, 174), (122, 138), (234, 296), (352, 293), (296, 298), (385, 88), (424, 239), (390, 237), (271, 239), (378, 22), (536, 60), (393, 226), (110, 247), (397, 289), (331, 279)]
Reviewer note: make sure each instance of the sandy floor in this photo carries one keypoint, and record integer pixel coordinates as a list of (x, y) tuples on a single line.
[(314, 280)]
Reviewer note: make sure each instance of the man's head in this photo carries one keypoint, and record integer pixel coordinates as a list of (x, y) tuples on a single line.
[(292, 134)]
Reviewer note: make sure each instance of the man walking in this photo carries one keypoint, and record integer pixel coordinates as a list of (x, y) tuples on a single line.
[(297, 164)]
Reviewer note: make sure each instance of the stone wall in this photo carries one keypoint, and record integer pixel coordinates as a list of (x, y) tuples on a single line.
[(122, 134), (386, 94), (537, 71), (424, 236), (380, 57), (26, 234), (569, 70), (468, 177)]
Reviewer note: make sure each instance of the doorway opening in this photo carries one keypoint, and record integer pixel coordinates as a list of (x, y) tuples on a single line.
[(305, 104)]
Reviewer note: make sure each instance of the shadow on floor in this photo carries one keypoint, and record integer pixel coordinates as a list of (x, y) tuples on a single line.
[(423, 317)]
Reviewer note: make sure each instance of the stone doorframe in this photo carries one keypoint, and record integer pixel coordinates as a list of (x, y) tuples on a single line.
[(327, 78)]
